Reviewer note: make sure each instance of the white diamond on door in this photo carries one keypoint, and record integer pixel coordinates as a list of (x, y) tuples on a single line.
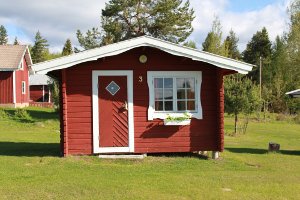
[(112, 88)]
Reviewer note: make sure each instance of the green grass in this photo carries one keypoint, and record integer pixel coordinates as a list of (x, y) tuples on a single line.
[(31, 168)]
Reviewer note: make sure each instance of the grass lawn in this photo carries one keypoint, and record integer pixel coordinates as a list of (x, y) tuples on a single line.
[(31, 168)]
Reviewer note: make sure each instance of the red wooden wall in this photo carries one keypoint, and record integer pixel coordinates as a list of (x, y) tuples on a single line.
[(150, 136), (36, 93), (6, 87), (22, 75)]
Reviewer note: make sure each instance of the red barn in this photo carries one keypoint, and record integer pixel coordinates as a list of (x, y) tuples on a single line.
[(15, 62), (114, 98), (38, 87)]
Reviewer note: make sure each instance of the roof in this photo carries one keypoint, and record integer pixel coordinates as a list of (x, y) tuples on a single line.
[(294, 93), (11, 57), (38, 79), (120, 47)]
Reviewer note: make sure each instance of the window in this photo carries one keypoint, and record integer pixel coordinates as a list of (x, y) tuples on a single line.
[(21, 65), (23, 87), (174, 93)]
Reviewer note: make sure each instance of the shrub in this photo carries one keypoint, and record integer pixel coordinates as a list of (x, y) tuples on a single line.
[(296, 119), (281, 117), (22, 114), (3, 114)]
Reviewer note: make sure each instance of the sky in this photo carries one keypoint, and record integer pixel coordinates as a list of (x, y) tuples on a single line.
[(58, 20)]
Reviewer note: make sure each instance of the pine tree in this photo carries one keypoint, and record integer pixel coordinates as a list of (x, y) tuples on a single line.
[(232, 45), (16, 42), (90, 41), (259, 46), (241, 95), (293, 51), (213, 42), (39, 49), (3, 35), (67, 50), (125, 19), (191, 44)]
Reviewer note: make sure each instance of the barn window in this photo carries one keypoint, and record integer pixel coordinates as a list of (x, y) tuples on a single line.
[(23, 87), (174, 93), (21, 65)]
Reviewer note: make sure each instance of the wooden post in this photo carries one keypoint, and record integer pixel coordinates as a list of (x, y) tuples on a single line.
[(215, 154)]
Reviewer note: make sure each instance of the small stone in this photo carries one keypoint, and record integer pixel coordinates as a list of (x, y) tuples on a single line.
[(39, 124)]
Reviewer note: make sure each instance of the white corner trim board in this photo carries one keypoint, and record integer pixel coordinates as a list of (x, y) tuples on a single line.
[(95, 75)]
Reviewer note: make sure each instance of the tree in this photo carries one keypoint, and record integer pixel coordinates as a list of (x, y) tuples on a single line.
[(213, 41), (53, 86), (125, 19), (90, 41), (259, 46), (191, 44), (232, 45), (39, 49), (3, 35), (241, 95), (67, 50), (293, 48), (16, 42)]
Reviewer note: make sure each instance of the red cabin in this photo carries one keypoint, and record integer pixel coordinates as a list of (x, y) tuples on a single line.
[(38, 86), (114, 99), (15, 62)]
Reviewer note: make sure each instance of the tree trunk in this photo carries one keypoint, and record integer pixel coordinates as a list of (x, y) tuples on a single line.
[(235, 123)]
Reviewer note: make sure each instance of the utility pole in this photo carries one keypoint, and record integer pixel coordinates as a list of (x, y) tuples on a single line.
[(260, 65)]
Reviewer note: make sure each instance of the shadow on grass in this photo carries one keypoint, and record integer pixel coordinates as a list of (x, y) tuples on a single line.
[(262, 151), (29, 149), (247, 150), (43, 115), (35, 115), (179, 154)]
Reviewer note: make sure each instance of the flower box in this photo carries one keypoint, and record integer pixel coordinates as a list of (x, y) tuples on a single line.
[(177, 122)]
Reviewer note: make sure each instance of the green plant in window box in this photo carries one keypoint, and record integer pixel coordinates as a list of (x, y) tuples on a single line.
[(178, 120)]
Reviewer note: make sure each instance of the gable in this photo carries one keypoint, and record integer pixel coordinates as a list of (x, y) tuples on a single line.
[(11, 57), (144, 41)]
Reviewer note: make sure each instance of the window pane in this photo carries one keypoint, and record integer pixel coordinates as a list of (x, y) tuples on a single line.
[(159, 106), (190, 83), (181, 94), (158, 93), (168, 94), (191, 105), (181, 105), (158, 83), (168, 105), (190, 94), (168, 83), (180, 82)]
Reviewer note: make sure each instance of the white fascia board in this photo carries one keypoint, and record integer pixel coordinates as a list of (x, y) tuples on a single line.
[(120, 47), (294, 92)]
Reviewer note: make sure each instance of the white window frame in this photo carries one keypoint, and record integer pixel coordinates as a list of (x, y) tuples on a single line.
[(23, 87), (21, 65), (152, 114)]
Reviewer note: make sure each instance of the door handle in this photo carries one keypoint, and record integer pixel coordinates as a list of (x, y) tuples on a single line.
[(125, 105)]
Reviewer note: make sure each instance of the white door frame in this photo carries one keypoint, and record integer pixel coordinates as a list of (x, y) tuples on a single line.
[(96, 137)]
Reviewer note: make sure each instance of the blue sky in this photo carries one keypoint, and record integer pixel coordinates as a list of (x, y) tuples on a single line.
[(58, 20), (248, 5)]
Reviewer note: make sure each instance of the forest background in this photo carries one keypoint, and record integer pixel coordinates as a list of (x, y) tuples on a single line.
[(172, 21)]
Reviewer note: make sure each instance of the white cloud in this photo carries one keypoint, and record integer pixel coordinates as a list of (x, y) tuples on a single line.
[(244, 24), (58, 20)]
